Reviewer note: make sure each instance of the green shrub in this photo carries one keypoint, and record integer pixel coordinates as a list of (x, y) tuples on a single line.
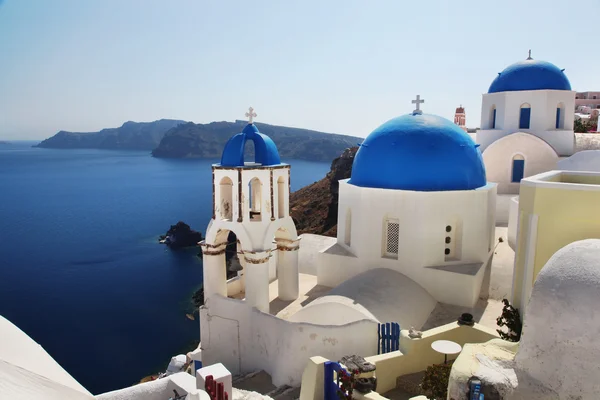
[(511, 319), (435, 381)]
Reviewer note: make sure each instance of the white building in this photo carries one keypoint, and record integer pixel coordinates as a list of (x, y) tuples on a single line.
[(526, 125), (417, 203), (251, 199), (415, 227)]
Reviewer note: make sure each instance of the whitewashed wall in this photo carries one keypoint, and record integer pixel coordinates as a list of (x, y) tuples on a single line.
[(513, 222), (543, 117), (308, 255), (498, 158), (587, 160), (245, 339), (423, 218)]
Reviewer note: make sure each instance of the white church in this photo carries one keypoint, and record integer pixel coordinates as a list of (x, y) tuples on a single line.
[(527, 119), (415, 227)]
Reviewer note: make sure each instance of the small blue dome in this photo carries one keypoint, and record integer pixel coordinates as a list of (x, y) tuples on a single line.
[(530, 75), (265, 151), (419, 152)]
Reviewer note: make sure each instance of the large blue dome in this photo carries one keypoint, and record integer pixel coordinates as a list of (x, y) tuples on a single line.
[(419, 152), (265, 150), (530, 75)]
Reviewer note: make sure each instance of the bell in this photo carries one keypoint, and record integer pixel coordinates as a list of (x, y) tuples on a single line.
[(235, 265)]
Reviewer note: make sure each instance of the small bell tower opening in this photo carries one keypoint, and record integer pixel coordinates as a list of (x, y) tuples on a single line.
[(255, 189)]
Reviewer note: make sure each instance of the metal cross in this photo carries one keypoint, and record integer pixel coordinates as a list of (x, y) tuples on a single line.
[(529, 57), (418, 102), (250, 114)]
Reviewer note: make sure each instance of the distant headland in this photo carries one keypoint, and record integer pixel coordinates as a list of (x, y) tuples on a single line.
[(4, 142), (129, 136), (179, 139)]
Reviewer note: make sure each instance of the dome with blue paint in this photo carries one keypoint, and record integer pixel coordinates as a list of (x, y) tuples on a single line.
[(265, 150), (419, 152), (530, 75)]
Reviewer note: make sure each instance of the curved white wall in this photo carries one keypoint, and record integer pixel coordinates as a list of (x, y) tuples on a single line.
[(498, 158), (331, 312), (587, 160), (379, 294), (560, 347)]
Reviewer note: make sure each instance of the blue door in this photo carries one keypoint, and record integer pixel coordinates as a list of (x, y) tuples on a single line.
[(518, 170), (525, 117)]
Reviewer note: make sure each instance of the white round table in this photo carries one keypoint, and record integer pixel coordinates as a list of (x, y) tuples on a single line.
[(446, 347)]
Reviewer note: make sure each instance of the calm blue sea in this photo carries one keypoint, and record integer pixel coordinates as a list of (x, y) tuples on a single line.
[(81, 271)]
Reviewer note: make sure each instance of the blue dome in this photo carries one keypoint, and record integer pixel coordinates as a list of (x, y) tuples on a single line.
[(419, 152), (265, 151), (530, 75)]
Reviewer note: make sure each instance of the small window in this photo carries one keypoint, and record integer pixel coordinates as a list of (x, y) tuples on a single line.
[(594, 97), (450, 250), (348, 228), (557, 117), (525, 116), (493, 124), (518, 169), (392, 238)]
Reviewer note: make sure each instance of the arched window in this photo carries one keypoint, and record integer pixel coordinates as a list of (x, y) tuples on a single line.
[(518, 168), (348, 227), (560, 116), (255, 198), (249, 152), (525, 116), (493, 118), (281, 211), (226, 198), (391, 238)]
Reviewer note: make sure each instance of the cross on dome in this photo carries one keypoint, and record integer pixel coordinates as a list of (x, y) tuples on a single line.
[(529, 56), (418, 102), (250, 114)]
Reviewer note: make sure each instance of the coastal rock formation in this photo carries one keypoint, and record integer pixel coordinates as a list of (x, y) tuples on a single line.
[(181, 235), (130, 136), (314, 208), (208, 140)]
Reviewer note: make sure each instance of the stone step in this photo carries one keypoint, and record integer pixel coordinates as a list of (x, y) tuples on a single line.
[(411, 383), (288, 393)]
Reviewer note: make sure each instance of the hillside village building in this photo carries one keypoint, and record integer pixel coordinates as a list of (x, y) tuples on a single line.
[(526, 125)]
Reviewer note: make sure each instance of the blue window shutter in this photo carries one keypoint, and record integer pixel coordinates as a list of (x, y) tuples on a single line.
[(494, 120), (558, 118), (525, 117), (518, 170)]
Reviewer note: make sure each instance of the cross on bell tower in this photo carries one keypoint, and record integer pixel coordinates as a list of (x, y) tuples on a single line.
[(418, 102), (250, 114)]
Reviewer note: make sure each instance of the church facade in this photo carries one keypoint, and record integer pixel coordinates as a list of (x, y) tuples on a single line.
[(418, 202)]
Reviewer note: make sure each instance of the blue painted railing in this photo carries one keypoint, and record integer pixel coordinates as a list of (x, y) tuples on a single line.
[(389, 337), (332, 387)]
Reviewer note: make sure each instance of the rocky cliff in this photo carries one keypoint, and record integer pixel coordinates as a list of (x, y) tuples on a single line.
[(314, 208), (129, 136), (208, 140)]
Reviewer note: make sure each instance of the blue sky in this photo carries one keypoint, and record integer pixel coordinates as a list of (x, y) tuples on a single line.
[(340, 66)]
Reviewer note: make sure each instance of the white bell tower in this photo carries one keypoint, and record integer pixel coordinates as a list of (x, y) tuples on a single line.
[(251, 199)]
